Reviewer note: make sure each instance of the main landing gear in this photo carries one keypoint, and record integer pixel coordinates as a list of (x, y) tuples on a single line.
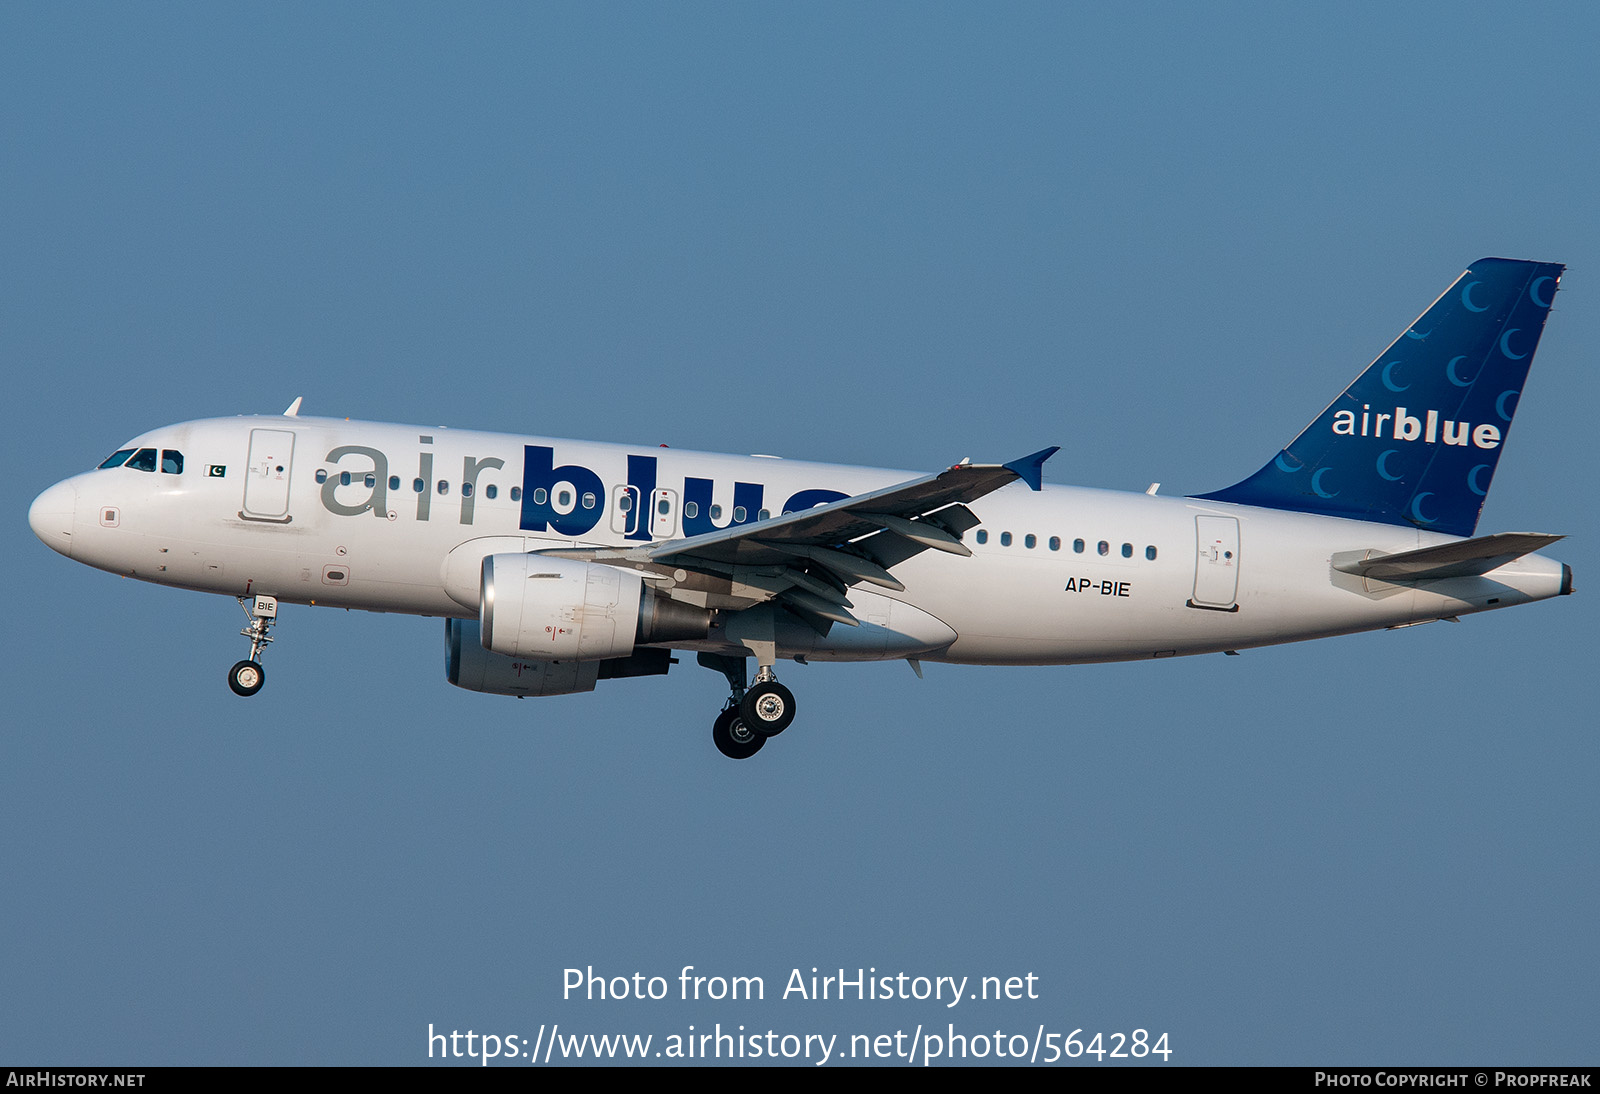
[(768, 706), (751, 714), (732, 737), (246, 677)]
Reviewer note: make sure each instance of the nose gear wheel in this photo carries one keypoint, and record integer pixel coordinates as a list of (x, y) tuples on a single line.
[(246, 677)]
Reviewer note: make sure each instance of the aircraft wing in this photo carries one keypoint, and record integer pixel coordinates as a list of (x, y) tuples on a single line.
[(831, 527), (808, 559)]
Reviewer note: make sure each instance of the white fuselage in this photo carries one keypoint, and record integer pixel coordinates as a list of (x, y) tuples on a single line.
[(1061, 575)]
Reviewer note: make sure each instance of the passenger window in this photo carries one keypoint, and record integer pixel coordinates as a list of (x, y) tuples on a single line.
[(418, 486), (539, 496), (983, 535), (1030, 541), (1005, 539), (1150, 553), (394, 482), (143, 460), (738, 514), (1077, 546), (1055, 543), (490, 491), (516, 493), (117, 459), (444, 488), (588, 501), (764, 514), (371, 481), (1127, 550), (466, 490), (625, 505), (564, 500), (344, 478), (1104, 548), (664, 506), (322, 475), (691, 509), (716, 512)]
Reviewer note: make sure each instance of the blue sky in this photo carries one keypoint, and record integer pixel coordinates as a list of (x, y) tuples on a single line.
[(1160, 236)]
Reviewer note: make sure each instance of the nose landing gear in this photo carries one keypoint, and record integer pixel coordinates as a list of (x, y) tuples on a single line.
[(246, 677)]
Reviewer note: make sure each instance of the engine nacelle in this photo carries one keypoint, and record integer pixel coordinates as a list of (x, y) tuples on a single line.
[(560, 609), (468, 665)]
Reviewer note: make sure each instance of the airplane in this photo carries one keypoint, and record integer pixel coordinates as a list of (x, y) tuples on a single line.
[(557, 564)]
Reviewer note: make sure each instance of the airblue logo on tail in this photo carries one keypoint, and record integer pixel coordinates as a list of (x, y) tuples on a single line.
[(1416, 438)]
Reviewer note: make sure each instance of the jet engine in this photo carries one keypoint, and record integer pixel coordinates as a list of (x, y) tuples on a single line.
[(468, 665), (559, 609)]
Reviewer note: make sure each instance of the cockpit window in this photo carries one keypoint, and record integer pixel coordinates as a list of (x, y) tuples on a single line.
[(171, 462), (117, 459), (143, 460)]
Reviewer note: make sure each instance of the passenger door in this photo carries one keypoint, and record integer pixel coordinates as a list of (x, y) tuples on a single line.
[(266, 479)]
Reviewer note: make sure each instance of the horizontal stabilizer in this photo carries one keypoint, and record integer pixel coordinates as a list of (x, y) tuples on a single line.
[(1464, 558)]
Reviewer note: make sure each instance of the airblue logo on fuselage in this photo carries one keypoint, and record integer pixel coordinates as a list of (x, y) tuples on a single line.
[(567, 499), (548, 505)]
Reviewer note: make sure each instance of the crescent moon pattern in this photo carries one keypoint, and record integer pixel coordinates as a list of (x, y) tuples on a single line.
[(1388, 381), (1466, 297), (1472, 480), (1450, 372), (1500, 405), (1505, 345), (1533, 291), (1316, 483), (1284, 466), (1416, 508), (1384, 471)]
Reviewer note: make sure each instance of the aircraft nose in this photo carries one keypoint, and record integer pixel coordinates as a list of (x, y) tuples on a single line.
[(51, 516)]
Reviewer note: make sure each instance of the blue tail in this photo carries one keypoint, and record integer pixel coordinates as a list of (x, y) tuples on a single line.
[(1416, 438)]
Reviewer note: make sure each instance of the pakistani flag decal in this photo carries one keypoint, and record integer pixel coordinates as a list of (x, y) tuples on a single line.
[(218, 470)]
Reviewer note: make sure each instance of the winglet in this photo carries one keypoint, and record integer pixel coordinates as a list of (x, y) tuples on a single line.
[(294, 408), (1030, 469)]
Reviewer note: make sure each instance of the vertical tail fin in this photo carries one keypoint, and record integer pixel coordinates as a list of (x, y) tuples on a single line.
[(1416, 438)]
